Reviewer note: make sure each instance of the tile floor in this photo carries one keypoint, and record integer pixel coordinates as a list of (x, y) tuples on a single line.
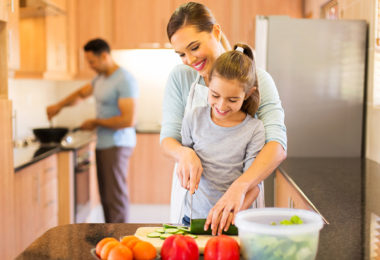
[(139, 213)]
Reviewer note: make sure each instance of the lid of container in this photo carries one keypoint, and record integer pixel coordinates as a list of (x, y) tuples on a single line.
[(260, 221)]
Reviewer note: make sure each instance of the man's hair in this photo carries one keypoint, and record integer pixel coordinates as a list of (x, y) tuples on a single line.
[(97, 46)]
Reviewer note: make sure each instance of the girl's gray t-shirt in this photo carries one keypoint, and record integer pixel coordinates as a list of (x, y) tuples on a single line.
[(225, 154)]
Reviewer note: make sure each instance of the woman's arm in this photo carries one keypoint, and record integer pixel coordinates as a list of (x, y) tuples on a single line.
[(189, 168), (177, 88)]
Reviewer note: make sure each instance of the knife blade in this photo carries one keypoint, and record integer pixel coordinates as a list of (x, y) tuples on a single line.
[(191, 208)]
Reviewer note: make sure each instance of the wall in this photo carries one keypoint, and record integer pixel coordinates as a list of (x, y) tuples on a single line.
[(31, 97), (359, 9)]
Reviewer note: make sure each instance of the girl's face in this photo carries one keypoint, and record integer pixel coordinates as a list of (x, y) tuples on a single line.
[(226, 98), (198, 50)]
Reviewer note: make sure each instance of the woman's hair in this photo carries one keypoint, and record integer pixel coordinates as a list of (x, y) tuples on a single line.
[(239, 64), (197, 15)]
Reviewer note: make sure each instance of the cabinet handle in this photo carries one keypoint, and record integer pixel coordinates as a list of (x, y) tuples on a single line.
[(290, 203), (49, 203), (12, 6), (10, 43), (50, 169)]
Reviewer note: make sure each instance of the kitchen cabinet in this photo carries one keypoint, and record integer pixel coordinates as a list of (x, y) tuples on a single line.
[(287, 195), (66, 190), (150, 172), (7, 220), (140, 24), (13, 38), (56, 45), (44, 45), (93, 20), (4, 9), (35, 201), (237, 18)]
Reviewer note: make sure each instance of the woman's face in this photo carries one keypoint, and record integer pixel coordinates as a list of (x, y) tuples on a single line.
[(226, 98), (198, 50)]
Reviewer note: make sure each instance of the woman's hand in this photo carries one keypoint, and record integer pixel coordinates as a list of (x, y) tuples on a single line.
[(223, 213), (189, 169)]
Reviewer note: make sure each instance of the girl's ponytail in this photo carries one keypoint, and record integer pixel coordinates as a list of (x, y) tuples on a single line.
[(251, 104), (239, 64)]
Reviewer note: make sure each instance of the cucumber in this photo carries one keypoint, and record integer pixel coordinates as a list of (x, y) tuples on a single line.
[(165, 236), (154, 234), (169, 226), (197, 227), (185, 229), (180, 232), (171, 230), (160, 230)]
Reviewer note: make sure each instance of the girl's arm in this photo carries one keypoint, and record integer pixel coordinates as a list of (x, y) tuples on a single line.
[(232, 201)]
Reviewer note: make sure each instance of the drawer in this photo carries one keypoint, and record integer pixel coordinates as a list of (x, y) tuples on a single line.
[(49, 169)]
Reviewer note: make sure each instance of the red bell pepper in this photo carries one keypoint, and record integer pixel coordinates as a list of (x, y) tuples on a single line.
[(179, 247), (222, 248)]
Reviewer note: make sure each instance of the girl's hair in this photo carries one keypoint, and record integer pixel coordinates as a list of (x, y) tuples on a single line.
[(197, 15), (239, 64)]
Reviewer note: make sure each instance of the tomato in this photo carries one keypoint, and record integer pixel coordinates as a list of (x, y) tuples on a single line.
[(222, 248), (179, 247)]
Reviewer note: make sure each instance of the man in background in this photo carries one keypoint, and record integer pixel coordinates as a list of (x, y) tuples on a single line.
[(115, 91)]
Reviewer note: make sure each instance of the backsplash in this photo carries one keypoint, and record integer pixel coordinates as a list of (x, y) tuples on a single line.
[(30, 97)]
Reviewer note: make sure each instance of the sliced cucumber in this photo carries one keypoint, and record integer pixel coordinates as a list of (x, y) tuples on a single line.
[(165, 236), (171, 230), (169, 226), (160, 230), (180, 232), (154, 234), (185, 229)]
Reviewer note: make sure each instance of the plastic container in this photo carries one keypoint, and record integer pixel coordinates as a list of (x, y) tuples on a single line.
[(260, 239)]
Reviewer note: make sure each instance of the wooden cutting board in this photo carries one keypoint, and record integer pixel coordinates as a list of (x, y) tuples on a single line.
[(201, 240)]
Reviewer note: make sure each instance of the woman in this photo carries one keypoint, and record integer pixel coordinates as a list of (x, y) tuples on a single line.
[(199, 41)]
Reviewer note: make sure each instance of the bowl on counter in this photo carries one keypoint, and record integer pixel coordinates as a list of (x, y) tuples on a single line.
[(263, 237)]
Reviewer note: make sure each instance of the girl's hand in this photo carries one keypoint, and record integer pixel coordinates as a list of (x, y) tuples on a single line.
[(223, 213), (189, 169)]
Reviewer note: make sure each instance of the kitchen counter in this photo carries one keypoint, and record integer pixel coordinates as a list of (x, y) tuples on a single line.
[(25, 156), (344, 190)]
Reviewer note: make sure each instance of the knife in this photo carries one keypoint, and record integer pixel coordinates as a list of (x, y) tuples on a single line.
[(191, 208)]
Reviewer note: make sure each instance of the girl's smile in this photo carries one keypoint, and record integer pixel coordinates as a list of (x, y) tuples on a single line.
[(226, 98)]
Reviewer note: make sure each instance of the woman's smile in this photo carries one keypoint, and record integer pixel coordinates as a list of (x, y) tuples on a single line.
[(199, 65)]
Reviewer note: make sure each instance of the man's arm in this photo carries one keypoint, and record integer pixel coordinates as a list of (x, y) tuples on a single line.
[(70, 100), (127, 117)]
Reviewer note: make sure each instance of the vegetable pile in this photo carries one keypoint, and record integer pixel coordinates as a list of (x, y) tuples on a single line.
[(280, 247)]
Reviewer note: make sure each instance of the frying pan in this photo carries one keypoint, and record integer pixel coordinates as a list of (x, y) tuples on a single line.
[(51, 134)]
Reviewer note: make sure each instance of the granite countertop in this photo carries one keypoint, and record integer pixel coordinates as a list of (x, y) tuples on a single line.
[(75, 241), (344, 190)]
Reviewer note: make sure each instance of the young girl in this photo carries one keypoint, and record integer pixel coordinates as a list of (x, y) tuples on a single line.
[(225, 135)]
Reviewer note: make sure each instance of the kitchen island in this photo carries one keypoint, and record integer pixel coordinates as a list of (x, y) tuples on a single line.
[(344, 190)]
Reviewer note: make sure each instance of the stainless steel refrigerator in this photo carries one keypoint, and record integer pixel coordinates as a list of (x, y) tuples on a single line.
[(319, 70)]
